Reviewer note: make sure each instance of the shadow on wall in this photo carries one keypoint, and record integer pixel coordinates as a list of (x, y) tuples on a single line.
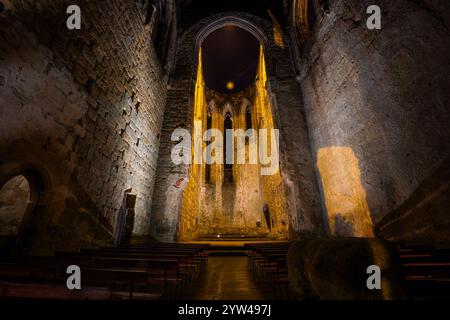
[(342, 226), (424, 217), (345, 198)]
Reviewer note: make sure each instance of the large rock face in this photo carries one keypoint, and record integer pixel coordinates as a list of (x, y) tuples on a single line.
[(335, 268)]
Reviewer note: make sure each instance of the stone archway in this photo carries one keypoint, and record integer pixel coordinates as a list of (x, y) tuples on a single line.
[(304, 210), (231, 20), (233, 203), (34, 214), (14, 197)]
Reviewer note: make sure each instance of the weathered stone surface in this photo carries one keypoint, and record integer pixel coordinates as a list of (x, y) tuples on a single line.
[(377, 106), (335, 269), (424, 218), (297, 167), (84, 109), (363, 116)]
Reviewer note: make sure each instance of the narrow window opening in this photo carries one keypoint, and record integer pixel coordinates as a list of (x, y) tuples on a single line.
[(248, 123), (228, 168), (208, 166)]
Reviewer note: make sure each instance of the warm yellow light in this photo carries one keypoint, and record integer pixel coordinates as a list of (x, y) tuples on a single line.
[(230, 85), (345, 197), (277, 31), (215, 210), (189, 206)]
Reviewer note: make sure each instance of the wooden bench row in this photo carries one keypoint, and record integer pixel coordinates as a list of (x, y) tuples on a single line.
[(154, 271), (268, 261), (426, 271)]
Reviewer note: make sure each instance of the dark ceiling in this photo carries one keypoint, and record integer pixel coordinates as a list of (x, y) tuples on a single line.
[(230, 55), (192, 11)]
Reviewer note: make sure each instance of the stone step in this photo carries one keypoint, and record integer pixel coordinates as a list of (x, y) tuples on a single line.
[(233, 249), (231, 239), (250, 235), (227, 253)]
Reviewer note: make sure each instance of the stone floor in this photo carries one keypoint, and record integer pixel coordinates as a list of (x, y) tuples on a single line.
[(228, 278)]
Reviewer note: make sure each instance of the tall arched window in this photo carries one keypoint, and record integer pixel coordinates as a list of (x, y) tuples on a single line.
[(228, 167), (248, 119), (248, 123), (208, 166)]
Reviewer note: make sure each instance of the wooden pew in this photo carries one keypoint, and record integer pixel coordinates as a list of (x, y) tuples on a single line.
[(155, 272), (54, 275), (188, 263), (200, 251), (51, 292), (426, 271), (269, 262), (163, 268), (154, 263)]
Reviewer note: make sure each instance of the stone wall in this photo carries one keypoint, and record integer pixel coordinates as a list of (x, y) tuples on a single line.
[(424, 217), (84, 108), (84, 113), (377, 106), (165, 210)]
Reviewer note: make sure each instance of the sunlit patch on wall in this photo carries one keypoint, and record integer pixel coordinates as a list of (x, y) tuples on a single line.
[(345, 197)]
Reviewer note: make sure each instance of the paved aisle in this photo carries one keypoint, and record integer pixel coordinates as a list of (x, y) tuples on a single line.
[(227, 278)]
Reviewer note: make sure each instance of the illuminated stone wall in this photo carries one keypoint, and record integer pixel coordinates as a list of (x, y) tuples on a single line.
[(272, 186), (84, 109), (302, 216), (190, 207), (218, 206), (344, 196), (377, 107)]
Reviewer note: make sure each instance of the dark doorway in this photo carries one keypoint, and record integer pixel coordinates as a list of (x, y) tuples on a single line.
[(267, 217), (125, 220), (208, 166)]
